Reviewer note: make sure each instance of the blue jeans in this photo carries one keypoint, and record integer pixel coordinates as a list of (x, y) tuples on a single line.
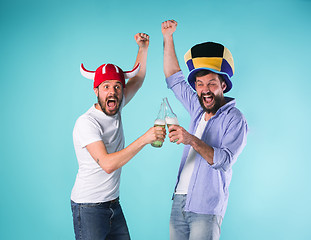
[(192, 226), (99, 221)]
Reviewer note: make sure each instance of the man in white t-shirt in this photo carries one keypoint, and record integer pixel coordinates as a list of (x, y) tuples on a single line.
[(99, 145)]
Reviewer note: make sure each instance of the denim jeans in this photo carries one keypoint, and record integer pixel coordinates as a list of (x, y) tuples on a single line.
[(99, 221), (192, 226)]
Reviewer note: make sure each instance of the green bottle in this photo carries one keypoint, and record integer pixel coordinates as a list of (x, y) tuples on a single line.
[(159, 122)]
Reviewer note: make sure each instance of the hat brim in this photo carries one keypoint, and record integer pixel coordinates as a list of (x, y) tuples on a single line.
[(192, 79)]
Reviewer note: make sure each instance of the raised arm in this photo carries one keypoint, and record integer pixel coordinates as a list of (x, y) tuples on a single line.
[(170, 62), (136, 82), (110, 162)]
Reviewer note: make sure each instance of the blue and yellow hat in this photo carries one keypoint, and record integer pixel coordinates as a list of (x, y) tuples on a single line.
[(210, 56)]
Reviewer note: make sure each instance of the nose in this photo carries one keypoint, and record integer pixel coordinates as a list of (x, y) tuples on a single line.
[(113, 93), (205, 89), (112, 90)]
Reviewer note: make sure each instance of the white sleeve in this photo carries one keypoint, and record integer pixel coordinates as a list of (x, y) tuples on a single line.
[(87, 131)]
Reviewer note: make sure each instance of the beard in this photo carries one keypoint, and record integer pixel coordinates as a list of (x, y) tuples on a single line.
[(217, 103), (103, 104)]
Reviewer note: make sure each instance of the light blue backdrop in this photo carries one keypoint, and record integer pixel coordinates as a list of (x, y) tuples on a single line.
[(43, 93)]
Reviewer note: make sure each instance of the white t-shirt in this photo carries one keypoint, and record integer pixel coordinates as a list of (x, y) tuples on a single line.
[(92, 183), (185, 176)]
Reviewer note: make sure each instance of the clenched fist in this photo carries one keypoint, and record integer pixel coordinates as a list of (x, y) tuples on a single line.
[(168, 27), (142, 39)]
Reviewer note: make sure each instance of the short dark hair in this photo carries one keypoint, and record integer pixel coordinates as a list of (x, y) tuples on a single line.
[(204, 72)]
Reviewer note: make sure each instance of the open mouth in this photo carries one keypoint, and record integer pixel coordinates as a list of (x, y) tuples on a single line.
[(208, 99), (111, 104)]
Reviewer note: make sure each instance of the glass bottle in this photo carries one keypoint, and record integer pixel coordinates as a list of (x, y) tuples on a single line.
[(170, 116), (159, 122)]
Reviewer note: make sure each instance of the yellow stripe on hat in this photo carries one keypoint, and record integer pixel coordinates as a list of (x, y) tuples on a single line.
[(188, 55), (208, 62), (229, 58)]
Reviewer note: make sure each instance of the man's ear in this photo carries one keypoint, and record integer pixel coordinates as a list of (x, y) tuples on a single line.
[(223, 86), (96, 91)]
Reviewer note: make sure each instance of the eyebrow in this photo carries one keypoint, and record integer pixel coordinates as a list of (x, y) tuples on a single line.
[(112, 82), (212, 80)]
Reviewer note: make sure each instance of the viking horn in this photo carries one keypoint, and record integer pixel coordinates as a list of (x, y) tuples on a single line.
[(86, 73), (132, 73)]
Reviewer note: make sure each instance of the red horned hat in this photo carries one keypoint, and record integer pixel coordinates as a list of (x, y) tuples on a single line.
[(109, 72)]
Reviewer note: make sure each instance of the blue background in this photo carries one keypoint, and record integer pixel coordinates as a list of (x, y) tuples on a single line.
[(43, 93)]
